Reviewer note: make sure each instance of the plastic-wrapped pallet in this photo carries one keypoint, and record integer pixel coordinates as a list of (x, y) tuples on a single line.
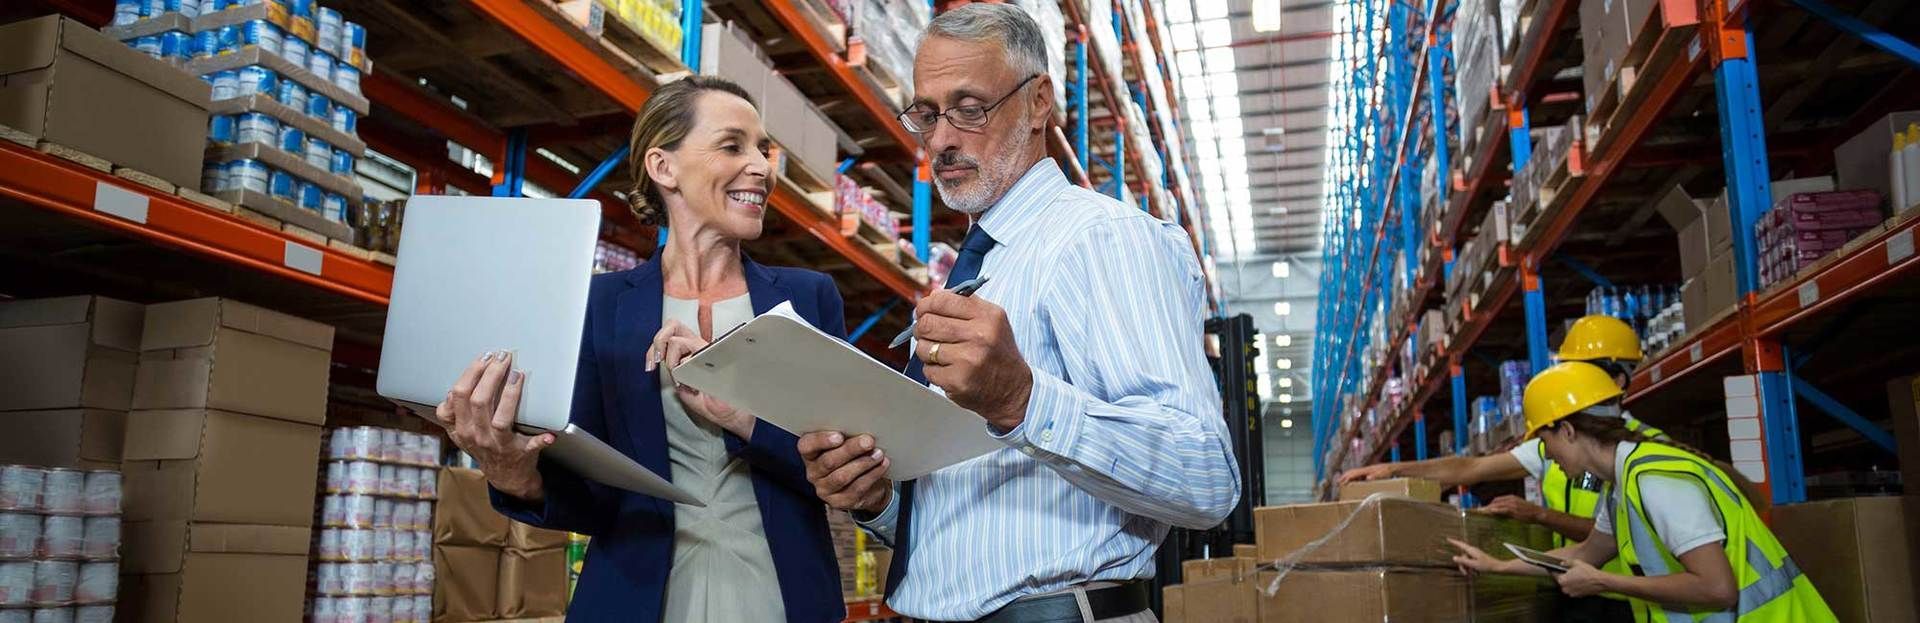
[(1053, 27), (1106, 42), (891, 30)]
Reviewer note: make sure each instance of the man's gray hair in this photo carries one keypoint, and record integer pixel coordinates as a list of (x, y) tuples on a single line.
[(1007, 25)]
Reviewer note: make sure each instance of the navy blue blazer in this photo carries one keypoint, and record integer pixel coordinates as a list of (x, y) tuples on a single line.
[(617, 400)]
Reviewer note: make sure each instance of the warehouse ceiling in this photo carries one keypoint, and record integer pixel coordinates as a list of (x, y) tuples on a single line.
[(1255, 78)]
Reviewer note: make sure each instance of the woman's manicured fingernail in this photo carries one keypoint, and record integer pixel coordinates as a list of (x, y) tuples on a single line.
[(514, 377), (487, 357)]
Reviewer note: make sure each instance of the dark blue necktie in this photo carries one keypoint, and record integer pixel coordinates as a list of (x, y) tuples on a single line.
[(973, 251)]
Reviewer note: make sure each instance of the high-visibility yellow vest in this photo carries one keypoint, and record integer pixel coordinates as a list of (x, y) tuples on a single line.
[(1566, 494), (1772, 589)]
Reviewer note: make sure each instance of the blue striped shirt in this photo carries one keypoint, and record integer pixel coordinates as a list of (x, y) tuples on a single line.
[(1123, 434)]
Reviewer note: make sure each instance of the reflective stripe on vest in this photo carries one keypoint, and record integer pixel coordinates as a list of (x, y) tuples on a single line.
[(1773, 581)]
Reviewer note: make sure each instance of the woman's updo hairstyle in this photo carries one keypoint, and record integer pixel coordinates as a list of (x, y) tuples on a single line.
[(664, 121)]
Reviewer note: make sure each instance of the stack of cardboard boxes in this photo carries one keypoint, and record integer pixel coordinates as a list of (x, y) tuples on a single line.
[(221, 458), (487, 567), (1383, 557), (806, 135), (1706, 246), (66, 380), (1857, 553)]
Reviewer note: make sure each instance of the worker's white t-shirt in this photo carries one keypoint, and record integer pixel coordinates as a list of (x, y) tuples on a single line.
[(1679, 507)]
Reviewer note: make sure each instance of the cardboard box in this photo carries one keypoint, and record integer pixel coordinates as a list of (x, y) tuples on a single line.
[(1720, 285), (464, 515), (532, 583), (786, 112), (69, 84), (1855, 550), (1173, 604), (1233, 568), (177, 571), (1861, 162), (1391, 531), (820, 149), (1413, 488), (1903, 405), (1246, 550), (1693, 303), (216, 466), (1222, 598), (68, 352), (528, 538), (1687, 217), (729, 52), (222, 354), (76, 438), (1491, 534), (1374, 594), (466, 583)]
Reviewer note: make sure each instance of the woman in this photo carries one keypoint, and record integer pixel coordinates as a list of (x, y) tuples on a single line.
[(760, 549), (1695, 545)]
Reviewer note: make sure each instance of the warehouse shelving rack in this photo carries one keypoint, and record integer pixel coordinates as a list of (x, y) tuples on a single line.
[(1709, 42)]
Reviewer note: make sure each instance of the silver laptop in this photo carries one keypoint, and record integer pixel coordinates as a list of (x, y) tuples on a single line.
[(478, 274)]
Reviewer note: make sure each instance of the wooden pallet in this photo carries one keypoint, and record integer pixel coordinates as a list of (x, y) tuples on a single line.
[(1471, 149), (828, 23), (1667, 37), (892, 88)]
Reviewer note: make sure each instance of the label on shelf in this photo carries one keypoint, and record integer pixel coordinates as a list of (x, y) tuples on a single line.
[(1694, 352), (1809, 293), (302, 258), (1899, 247), (120, 202), (1655, 374)]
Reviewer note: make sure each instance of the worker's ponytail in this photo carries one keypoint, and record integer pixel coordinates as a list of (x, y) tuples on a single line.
[(1613, 430)]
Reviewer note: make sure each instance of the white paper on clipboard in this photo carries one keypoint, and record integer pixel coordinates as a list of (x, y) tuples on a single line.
[(780, 368)]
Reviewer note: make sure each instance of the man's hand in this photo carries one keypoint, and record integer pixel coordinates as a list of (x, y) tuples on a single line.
[(1375, 471), (1582, 580), (1515, 507), (847, 474), (977, 361)]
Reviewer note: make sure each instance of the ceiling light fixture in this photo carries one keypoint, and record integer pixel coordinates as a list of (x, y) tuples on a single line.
[(1266, 15)]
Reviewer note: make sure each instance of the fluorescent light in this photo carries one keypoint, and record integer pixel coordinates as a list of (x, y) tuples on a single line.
[(1266, 15), (1210, 9), (1226, 106), (1286, 423), (1281, 270), (1285, 382), (1190, 66), (1183, 37), (1285, 398), (1283, 308), (1219, 59), (1179, 11), (1283, 363)]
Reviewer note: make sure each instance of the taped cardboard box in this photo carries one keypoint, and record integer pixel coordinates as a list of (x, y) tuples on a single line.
[(1221, 590), (68, 352), (1381, 531), (466, 583), (69, 84), (1412, 488), (1173, 604), (206, 465), (1246, 550), (75, 438), (223, 354), (532, 583), (1855, 550), (525, 537), (189, 572), (1401, 594), (464, 514)]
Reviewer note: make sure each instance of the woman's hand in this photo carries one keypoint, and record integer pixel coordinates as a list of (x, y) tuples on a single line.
[(479, 413), (674, 344), (1471, 560), (1582, 580)]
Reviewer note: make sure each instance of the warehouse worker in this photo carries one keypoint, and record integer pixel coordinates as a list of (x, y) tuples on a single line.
[(1695, 547), (1569, 502), (698, 162), (1083, 356)]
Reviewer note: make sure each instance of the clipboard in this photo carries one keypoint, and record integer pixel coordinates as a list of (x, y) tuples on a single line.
[(789, 374)]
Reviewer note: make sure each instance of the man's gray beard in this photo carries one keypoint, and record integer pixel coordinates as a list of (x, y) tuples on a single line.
[(996, 178)]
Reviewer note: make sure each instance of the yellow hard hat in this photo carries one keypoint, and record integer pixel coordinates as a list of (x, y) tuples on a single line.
[(1600, 337), (1563, 390)]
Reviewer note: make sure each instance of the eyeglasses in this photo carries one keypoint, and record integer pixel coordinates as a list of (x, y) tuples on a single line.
[(922, 119)]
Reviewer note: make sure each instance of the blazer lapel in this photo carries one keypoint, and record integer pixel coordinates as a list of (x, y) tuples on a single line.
[(765, 290), (637, 316)]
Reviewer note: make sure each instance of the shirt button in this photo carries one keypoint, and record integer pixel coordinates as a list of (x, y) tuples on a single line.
[(1027, 449), (1046, 435)]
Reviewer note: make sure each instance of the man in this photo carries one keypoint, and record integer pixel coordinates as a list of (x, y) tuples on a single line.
[(1083, 355), (1567, 502)]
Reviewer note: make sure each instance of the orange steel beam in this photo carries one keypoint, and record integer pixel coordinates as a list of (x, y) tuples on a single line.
[(74, 190), (789, 16), (546, 36)]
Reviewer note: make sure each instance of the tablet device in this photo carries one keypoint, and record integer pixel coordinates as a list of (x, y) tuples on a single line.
[(1539, 559)]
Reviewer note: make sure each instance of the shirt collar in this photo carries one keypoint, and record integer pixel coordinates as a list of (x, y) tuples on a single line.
[(1014, 216)]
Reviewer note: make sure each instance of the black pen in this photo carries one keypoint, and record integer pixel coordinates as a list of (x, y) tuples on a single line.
[(966, 288)]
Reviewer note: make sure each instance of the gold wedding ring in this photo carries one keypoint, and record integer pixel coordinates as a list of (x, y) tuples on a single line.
[(933, 354)]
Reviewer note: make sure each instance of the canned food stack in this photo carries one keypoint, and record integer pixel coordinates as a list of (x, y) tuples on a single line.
[(373, 553), (59, 544), (283, 133)]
